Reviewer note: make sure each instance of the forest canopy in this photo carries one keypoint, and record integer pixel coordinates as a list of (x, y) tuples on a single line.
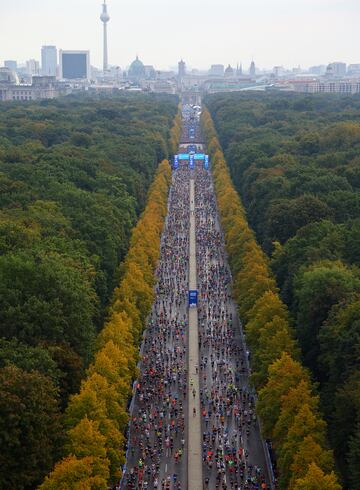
[(295, 161), (74, 177)]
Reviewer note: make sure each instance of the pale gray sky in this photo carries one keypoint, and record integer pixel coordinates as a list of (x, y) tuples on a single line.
[(202, 32)]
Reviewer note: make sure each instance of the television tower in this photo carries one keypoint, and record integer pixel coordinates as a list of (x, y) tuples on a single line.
[(104, 17)]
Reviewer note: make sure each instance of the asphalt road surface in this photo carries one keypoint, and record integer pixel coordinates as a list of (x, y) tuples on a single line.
[(193, 424)]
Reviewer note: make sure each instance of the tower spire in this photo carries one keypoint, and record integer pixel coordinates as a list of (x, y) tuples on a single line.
[(104, 17)]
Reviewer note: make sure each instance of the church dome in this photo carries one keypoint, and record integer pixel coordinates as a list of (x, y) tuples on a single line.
[(137, 70), (229, 71)]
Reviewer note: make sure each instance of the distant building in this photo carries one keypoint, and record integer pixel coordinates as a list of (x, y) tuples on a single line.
[(136, 71), (32, 67), (252, 70), (49, 61), (229, 72), (41, 88), (327, 86), (337, 69), (165, 75), (159, 86), (318, 69), (354, 69), (74, 65), (115, 72), (230, 84), (239, 70), (12, 64), (150, 72), (8, 76), (217, 70), (181, 69), (278, 71)]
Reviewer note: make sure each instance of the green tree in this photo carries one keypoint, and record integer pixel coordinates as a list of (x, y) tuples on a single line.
[(317, 289), (44, 299), (284, 218), (30, 430)]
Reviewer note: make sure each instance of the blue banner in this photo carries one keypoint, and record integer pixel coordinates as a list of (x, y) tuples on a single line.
[(199, 156), (183, 156), (206, 162), (176, 161), (193, 297), (191, 163)]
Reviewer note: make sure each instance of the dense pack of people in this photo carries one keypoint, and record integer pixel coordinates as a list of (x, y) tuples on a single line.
[(157, 436), (232, 449)]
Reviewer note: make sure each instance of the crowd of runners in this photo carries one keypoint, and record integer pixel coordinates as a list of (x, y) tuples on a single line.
[(157, 437), (233, 454), (232, 449)]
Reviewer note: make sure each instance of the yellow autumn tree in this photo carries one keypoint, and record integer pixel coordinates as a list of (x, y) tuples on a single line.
[(265, 309), (71, 473), (250, 284), (305, 423), (309, 451), (111, 363), (274, 339), (284, 373), (316, 479), (291, 403), (85, 440)]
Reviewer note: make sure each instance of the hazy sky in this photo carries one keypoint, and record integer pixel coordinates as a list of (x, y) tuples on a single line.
[(203, 32)]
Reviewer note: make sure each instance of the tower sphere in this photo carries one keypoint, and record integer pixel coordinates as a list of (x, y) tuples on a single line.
[(104, 17)]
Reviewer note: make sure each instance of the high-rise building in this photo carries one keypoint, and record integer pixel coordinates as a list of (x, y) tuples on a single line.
[(49, 61), (32, 67), (337, 69), (74, 65), (12, 64), (105, 17), (252, 70), (181, 69)]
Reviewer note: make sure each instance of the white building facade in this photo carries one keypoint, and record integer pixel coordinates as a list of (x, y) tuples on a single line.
[(49, 61)]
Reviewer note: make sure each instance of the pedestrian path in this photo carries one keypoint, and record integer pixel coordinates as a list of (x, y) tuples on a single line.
[(195, 478)]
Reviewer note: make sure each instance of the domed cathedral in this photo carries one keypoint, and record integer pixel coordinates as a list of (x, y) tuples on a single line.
[(229, 72), (136, 70)]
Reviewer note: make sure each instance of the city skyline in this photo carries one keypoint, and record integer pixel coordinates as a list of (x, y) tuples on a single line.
[(305, 33)]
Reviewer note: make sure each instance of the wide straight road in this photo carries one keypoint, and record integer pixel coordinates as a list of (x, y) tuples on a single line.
[(193, 424)]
